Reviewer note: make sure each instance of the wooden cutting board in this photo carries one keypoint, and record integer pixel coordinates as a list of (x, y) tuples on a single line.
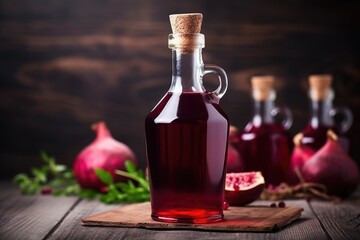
[(237, 219)]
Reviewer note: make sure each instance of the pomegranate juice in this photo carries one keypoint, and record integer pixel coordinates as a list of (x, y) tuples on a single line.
[(186, 135), (315, 138), (267, 149)]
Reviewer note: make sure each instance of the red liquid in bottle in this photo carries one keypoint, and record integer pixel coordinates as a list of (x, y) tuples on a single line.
[(186, 138), (315, 137), (266, 148), (322, 114)]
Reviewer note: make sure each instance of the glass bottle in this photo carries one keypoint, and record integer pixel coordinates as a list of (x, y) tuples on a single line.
[(186, 136), (314, 135), (265, 144)]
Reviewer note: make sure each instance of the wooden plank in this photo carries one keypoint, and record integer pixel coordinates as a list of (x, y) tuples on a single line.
[(30, 217), (306, 228), (340, 221), (71, 227)]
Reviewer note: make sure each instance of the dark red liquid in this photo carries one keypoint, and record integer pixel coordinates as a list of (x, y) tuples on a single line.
[(186, 136), (267, 149), (315, 138)]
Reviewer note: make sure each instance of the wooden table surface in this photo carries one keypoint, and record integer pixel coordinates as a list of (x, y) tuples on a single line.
[(48, 217)]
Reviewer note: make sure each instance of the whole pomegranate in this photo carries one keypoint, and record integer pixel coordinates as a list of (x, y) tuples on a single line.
[(332, 167), (243, 188), (300, 155), (105, 153), (234, 160)]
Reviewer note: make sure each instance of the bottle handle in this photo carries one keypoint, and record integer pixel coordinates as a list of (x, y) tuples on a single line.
[(348, 117), (223, 80), (288, 119)]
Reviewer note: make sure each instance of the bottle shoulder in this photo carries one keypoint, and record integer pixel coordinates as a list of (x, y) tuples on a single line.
[(312, 131), (264, 128), (264, 131), (186, 106)]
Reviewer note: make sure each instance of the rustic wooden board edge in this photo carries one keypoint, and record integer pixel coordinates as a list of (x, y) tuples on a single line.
[(280, 226), (161, 227), (88, 221)]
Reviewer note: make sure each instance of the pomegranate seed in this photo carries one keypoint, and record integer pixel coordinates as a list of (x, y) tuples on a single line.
[(273, 205), (225, 205), (46, 190), (281, 204)]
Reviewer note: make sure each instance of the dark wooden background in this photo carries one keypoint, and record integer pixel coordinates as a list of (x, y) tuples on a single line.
[(67, 64)]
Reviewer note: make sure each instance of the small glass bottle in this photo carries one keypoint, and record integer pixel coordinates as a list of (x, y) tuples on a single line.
[(314, 135), (187, 133), (264, 144)]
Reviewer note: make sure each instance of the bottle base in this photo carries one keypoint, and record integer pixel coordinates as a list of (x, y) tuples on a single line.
[(192, 216)]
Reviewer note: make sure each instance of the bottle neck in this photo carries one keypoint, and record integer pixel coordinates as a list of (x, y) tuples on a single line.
[(262, 112), (320, 113), (187, 71), (263, 105)]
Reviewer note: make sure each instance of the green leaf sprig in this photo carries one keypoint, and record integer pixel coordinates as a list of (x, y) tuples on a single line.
[(121, 192), (59, 180)]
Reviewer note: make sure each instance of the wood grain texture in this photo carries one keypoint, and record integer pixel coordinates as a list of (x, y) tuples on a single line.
[(67, 64), (46, 217), (308, 227), (30, 217), (72, 229), (341, 221)]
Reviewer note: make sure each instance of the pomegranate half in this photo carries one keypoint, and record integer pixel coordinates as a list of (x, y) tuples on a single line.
[(243, 188)]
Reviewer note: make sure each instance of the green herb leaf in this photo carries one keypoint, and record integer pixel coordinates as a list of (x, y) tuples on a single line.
[(44, 157), (87, 193), (104, 176), (39, 174), (130, 167), (30, 189), (56, 176), (21, 178)]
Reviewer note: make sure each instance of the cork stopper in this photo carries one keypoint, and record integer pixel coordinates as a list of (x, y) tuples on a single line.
[(262, 87), (320, 86), (297, 139), (188, 23), (186, 34)]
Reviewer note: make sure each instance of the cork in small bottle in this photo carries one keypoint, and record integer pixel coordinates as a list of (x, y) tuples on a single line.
[(320, 86), (186, 30), (187, 23), (262, 87)]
